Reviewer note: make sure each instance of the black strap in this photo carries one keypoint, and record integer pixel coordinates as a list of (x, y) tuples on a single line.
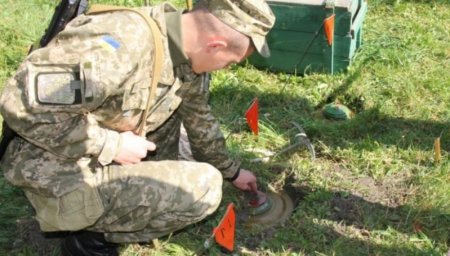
[(235, 176), (7, 136)]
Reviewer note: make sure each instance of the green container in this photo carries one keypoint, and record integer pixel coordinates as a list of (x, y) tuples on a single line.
[(298, 41)]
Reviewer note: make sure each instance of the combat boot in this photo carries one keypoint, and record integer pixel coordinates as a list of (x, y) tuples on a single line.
[(87, 243)]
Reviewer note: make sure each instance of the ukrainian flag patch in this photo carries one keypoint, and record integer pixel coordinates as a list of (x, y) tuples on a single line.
[(109, 43)]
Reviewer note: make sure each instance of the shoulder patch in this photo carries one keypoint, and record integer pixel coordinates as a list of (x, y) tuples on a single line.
[(109, 43)]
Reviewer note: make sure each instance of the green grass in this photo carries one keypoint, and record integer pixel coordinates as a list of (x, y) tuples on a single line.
[(374, 189)]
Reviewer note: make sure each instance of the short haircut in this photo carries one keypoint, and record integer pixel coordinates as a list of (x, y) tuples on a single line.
[(212, 25)]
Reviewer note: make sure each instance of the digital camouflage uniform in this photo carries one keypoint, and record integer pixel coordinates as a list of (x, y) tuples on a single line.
[(70, 100), (98, 70)]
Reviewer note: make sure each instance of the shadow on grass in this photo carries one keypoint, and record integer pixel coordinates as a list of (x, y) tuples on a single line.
[(367, 124), (395, 2), (13, 207)]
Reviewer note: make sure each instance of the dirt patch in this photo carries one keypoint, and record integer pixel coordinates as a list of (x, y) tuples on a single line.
[(369, 202), (359, 197), (392, 191)]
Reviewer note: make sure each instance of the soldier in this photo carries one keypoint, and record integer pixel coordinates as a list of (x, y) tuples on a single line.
[(77, 105)]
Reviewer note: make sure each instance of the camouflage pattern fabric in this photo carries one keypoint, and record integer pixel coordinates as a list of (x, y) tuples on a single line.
[(253, 18), (128, 203), (70, 100), (170, 195), (185, 151)]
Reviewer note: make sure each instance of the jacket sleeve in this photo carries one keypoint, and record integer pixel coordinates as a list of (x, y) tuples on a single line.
[(49, 101), (203, 129)]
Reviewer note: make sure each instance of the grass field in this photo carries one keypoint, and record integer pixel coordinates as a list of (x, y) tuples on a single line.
[(375, 187)]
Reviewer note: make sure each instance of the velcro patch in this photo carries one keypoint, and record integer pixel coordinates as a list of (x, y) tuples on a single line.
[(56, 88)]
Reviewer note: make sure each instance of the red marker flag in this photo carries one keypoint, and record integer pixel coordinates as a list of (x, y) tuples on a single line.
[(224, 232), (329, 28), (252, 116)]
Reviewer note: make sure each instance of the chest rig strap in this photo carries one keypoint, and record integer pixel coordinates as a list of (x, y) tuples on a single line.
[(157, 64)]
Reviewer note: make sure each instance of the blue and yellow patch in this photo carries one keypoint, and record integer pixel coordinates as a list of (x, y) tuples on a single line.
[(109, 43)]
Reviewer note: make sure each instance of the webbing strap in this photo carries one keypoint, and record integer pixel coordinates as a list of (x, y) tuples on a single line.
[(189, 4), (157, 64)]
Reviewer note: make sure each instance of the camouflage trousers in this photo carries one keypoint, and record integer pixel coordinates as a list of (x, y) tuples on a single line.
[(131, 203), (154, 198)]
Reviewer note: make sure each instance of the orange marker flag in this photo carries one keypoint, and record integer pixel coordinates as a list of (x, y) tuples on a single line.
[(328, 24), (252, 116), (224, 232)]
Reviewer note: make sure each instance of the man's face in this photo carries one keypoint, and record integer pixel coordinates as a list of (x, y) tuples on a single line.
[(222, 58)]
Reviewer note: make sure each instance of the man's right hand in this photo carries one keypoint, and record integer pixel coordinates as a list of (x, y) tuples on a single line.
[(246, 181), (132, 148)]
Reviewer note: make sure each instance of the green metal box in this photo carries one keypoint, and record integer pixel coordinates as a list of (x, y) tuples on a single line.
[(299, 42)]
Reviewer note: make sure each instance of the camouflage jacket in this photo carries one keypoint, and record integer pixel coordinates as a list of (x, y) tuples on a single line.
[(72, 98)]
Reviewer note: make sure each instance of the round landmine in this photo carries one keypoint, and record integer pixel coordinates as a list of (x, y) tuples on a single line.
[(271, 209), (337, 111)]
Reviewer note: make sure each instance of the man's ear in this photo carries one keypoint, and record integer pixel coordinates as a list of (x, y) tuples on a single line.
[(215, 44)]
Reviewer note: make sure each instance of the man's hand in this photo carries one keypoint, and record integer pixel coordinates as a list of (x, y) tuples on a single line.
[(246, 181), (132, 148)]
